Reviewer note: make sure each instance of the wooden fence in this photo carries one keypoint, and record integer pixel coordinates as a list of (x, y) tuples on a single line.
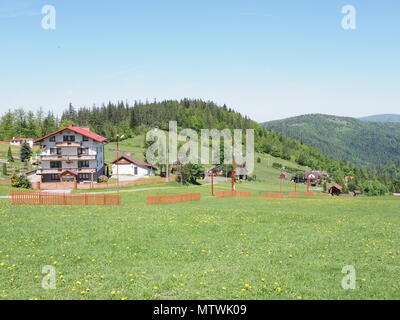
[(36, 198), (173, 198), (229, 194), (273, 195)]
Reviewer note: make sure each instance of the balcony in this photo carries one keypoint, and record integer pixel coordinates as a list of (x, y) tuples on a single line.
[(60, 170), (67, 144), (67, 158)]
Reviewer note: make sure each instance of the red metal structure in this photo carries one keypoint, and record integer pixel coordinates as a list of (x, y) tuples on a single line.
[(212, 184)]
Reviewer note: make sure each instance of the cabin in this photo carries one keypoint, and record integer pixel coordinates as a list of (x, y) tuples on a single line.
[(335, 190), (125, 165), (315, 176), (21, 141), (241, 172)]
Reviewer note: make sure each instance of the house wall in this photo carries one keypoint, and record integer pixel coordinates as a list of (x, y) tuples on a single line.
[(20, 142), (129, 169)]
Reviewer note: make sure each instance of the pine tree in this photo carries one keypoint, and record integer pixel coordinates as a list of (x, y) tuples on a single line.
[(9, 155), (26, 152)]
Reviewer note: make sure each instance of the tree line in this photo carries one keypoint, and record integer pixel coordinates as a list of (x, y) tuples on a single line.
[(131, 119)]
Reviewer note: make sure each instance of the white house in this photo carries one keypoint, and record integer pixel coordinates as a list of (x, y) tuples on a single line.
[(72, 154), (125, 165), (21, 141)]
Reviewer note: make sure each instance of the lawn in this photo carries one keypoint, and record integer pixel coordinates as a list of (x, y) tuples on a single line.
[(238, 248)]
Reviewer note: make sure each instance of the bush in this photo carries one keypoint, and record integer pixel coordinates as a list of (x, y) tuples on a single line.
[(190, 173), (102, 179), (20, 181), (277, 165), (5, 171), (258, 160), (374, 188)]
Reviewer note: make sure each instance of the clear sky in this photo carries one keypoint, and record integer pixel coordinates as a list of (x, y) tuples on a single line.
[(267, 59)]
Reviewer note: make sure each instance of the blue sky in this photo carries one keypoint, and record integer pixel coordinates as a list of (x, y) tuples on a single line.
[(266, 59)]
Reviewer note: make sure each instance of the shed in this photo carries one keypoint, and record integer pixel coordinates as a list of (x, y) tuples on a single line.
[(335, 190), (125, 165)]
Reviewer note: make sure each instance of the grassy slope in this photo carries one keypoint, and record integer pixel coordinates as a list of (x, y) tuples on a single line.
[(133, 146), (360, 142)]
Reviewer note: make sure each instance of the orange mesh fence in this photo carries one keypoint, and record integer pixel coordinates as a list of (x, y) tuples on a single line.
[(32, 198), (229, 194), (175, 198), (310, 193), (294, 194), (273, 195)]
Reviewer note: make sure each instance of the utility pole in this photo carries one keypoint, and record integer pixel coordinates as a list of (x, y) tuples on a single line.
[(117, 157), (212, 183)]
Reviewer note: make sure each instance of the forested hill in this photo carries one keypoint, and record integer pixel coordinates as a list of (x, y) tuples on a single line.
[(382, 118), (362, 143), (121, 118)]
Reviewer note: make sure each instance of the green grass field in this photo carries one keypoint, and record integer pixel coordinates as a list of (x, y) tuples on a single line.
[(228, 248), (232, 248)]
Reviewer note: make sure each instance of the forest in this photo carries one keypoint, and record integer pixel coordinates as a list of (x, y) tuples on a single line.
[(137, 118)]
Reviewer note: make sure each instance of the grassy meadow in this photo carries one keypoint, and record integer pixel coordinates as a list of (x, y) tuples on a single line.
[(231, 248), (254, 248)]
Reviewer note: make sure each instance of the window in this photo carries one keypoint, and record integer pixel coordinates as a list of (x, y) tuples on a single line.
[(55, 164), (84, 138), (52, 139), (55, 151), (84, 176), (83, 164), (135, 171), (69, 138), (83, 151), (55, 177)]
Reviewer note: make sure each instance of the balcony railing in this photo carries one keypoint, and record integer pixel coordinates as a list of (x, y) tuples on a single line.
[(67, 157), (65, 144), (60, 170)]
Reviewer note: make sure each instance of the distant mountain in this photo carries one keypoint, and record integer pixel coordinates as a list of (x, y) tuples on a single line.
[(382, 118), (360, 142)]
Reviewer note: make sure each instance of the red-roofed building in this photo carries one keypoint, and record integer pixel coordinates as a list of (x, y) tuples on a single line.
[(21, 141), (125, 165), (335, 190), (72, 154)]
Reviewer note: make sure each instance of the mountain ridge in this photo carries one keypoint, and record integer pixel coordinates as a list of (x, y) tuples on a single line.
[(360, 142), (381, 118)]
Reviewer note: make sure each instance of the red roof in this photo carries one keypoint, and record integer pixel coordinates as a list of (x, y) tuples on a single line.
[(134, 161), (78, 130), (19, 139), (337, 186)]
